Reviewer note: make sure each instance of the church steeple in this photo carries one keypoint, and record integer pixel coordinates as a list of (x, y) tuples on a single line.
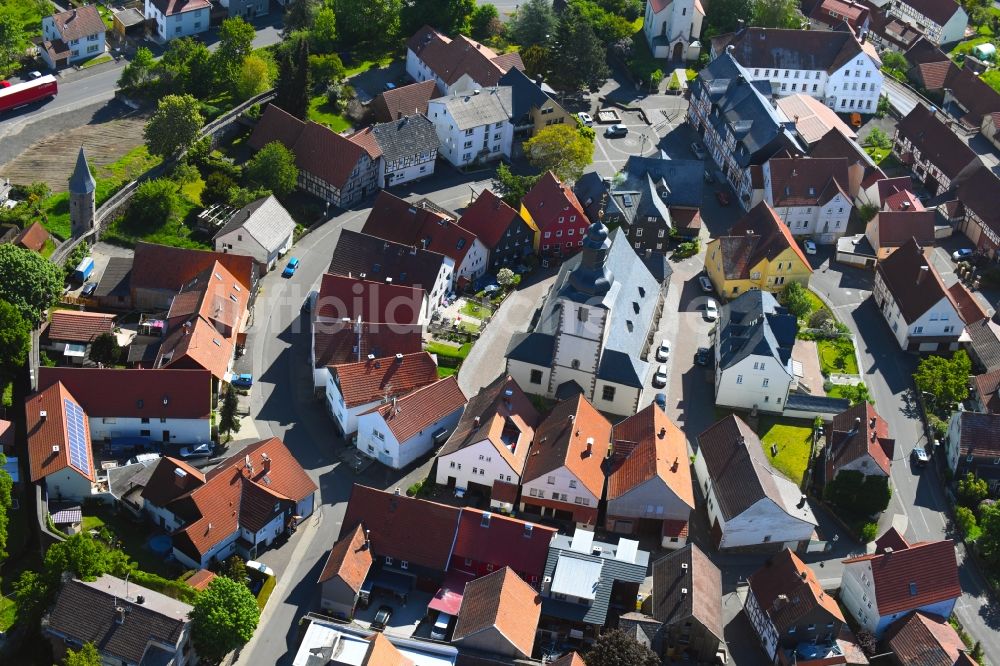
[(592, 277), (82, 182), (82, 197)]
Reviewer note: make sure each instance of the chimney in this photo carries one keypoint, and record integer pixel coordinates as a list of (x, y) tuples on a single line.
[(684, 591), (684, 568), (265, 461), (140, 600), (924, 270), (590, 446), (802, 501), (803, 575), (119, 614), (572, 417), (399, 358), (393, 403), (663, 432), (475, 422), (42, 415), (396, 491), (368, 536)]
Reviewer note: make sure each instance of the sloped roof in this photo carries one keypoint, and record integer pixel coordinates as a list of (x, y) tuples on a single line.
[(33, 237), (969, 307), (935, 141), (79, 326), (381, 652), (171, 479), (857, 432), (754, 323), (757, 236), (561, 440), (550, 199), (404, 101), (807, 181), (339, 343), (50, 432), (421, 408), (939, 11), (975, 189), (785, 574), (197, 346), (172, 7), (890, 229), (503, 540), (342, 297), (476, 108), (905, 268), (404, 528), (81, 181), (501, 601), (813, 119), (363, 255), (79, 23), (909, 576), (399, 221), (979, 434), (450, 59), (926, 640), (201, 578), (138, 393), (405, 137), (648, 445), (489, 218), (813, 50), (987, 390), (489, 415), (350, 560), (694, 591), (265, 220), (169, 268), (372, 380), (833, 12), (572, 658)]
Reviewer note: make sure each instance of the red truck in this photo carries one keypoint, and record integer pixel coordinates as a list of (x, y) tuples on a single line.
[(20, 94)]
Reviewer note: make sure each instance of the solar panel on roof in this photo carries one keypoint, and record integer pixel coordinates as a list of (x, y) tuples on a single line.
[(76, 433)]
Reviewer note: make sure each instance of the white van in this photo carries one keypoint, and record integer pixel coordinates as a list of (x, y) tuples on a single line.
[(143, 457)]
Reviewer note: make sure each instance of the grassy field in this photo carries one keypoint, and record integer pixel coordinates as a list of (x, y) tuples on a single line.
[(133, 539), (448, 350), (878, 154), (97, 60), (446, 372), (794, 443), (837, 356), (365, 65), (471, 309), (320, 112)]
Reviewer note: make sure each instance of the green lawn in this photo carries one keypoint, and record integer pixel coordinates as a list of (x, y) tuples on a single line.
[(815, 301), (967, 46), (92, 523), (365, 65), (28, 14), (48, 248), (837, 356), (320, 112), (176, 234), (471, 309), (794, 444), (133, 538), (450, 351), (8, 613), (96, 60), (446, 372), (878, 154)]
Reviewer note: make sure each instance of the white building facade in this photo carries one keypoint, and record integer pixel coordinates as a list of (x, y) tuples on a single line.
[(941, 320), (180, 431), (376, 439), (81, 47), (855, 86), (561, 486), (474, 127), (172, 22), (858, 596), (948, 26), (757, 381), (479, 463), (672, 28)]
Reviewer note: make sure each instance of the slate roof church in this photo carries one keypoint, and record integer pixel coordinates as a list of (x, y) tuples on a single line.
[(593, 329)]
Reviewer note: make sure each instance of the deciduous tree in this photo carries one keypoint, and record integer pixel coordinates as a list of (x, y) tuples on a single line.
[(15, 340), (536, 60), (139, 71), (104, 349), (561, 149), (972, 490), (174, 125), (448, 16), (944, 382), (616, 648), (28, 282), (794, 297), (372, 23), (323, 34), (80, 554), (777, 14), (860, 495), (6, 485), (235, 44), (301, 15), (224, 617), (513, 187), (273, 167), (254, 78), (87, 655), (485, 22), (534, 23), (13, 38)]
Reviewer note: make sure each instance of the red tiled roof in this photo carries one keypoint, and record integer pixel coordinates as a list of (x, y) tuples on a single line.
[(396, 220), (894, 228), (404, 101), (935, 141), (562, 443), (502, 491), (574, 659), (171, 479), (648, 445), (421, 408), (337, 343), (200, 579), (450, 59), (78, 326), (785, 574), (503, 542), (404, 528), (381, 652), (172, 7), (6, 434), (154, 394), (318, 150), (199, 347), (860, 431), (234, 496), (924, 640), (367, 140), (350, 560), (987, 390), (833, 12), (46, 433), (170, 268), (504, 602), (932, 75), (807, 181), (549, 200), (968, 306), (79, 23), (216, 296), (912, 576), (368, 381), (342, 296), (489, 218), (33, 237)]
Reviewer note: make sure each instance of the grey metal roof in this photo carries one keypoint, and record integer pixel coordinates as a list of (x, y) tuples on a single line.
[(115, 279), (81, 181), (631, 298), (265, 220), (677, 182), (984, 338), (576, 576), (754, 323), (816, 403), (408, 136), (492, 105)]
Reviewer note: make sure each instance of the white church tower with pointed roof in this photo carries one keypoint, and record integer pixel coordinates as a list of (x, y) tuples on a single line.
[(673, 28)]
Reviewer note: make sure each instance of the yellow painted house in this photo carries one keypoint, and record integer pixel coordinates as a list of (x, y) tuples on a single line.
[(758, 253)]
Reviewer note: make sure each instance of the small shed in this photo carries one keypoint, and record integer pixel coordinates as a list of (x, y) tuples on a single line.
[(129, 23), (985, 51)]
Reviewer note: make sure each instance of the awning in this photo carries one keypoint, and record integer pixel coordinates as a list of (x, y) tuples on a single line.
[(448, 599)]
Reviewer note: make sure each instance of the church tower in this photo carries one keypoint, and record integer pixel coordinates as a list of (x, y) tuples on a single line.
[(82, 188)]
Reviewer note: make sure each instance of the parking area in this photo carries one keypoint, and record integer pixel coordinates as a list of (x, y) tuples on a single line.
[(406, 619)]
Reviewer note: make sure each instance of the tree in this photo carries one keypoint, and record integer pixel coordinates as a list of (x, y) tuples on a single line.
[(856, 393), (105, 350), (6, 485), (292, 91), (485, 22), (368, 22), (608, 26), (972, 490), (561, 149), (235, 569), (579, 58), (616, 648), (87, 655), (323, 34), (13, 38), (857, 494), (217, 186), (235, 44), (224, 617), (254, 78), (943, 382), (241, 196), (155, 204), (725, 14), (777, 14), (966, 521), (15, 340), (301, 15), (989, 523), (867, 642), (273, 167), (174, 125), (893, 62), (28, 282), (513, 187), (505, 277), (533, 24), (229, 418), (448, 16), (139, 72), (536, 60), (326, 67), (31, 594), (794, 297), (878, 139), (80, 554)]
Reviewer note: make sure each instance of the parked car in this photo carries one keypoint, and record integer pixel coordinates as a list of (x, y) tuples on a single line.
[(382, 617), (722, 197), (390, 85), (260, 566), (703, 356), (615, 131), (440, 629), (293, 265), (706, 284), (663, 351), (661, 400), (660, 378), (244, 380), (199, 451), (711, 310), (585, 118), (810, 247), (698, 150), (143, 457), (34, 75), (920, 456), (88, 289), (959, 255)]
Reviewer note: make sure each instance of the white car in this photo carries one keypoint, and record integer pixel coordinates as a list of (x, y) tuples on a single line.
[(711, 310), (663, 351), (810, 247), (440, 629), (660, 378), (585, 118)]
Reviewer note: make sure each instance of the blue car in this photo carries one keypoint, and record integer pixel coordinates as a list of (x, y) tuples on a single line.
[(293, 265), (959, 255), (242, 381)]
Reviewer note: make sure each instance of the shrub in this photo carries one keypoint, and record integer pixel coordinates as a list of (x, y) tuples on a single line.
[(687, 249), (868, 532), (966, 521)]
